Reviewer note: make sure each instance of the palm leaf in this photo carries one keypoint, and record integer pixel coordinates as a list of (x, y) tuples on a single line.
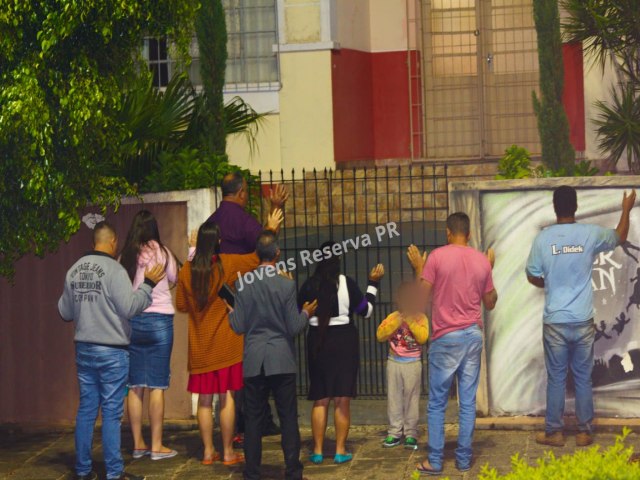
[(618, 126)]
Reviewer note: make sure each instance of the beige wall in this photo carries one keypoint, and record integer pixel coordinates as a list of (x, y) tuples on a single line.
[(388, 25), (266, 153), (597, 86), (302, 21), (306, 110), (301, 135), (352, 24)]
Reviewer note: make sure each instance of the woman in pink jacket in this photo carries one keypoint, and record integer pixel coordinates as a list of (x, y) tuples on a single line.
[(151, 334)]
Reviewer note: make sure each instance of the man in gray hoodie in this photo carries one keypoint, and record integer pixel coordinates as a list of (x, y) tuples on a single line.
[(99, 299)]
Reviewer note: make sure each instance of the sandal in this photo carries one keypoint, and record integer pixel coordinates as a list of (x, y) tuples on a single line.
[(209, 461), (342, 458), (238, 459), (422, 470)]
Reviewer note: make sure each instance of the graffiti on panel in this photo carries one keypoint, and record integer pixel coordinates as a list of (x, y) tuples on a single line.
[(515, 361)]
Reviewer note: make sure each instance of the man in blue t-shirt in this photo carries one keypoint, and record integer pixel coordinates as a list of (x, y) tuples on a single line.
[(561, 262)]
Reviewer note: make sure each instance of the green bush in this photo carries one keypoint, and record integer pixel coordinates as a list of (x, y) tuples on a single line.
[(190, 168), (516, 164), (612, 463)]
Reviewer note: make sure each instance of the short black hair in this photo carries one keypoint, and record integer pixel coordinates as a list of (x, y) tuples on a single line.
[(232, 183), (267, 246), (565, 201), (458, 223), (102, 232)]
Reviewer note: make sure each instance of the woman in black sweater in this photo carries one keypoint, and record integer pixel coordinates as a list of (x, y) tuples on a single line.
[(332, 347)]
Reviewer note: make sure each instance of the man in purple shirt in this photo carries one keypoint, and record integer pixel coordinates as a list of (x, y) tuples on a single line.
[(239, 232), (238, 228)]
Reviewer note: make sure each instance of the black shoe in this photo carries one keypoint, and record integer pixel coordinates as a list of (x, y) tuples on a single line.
[(89, 476), (130, 476), (271, 429)]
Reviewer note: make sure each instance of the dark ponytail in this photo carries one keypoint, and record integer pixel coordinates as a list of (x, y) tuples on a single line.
[(206, 268)]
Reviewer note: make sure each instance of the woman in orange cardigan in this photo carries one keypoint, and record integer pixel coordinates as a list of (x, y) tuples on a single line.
[(215, 351)]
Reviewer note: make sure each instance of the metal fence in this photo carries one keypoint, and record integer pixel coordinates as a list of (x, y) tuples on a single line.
[(346, 205)]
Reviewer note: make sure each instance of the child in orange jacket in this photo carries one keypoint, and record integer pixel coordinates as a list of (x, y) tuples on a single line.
[(406, 330)]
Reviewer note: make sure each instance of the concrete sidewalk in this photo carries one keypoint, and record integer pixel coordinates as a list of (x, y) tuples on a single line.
[(49, 456)]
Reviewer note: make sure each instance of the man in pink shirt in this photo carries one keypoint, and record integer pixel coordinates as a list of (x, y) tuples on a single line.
[(457, 281)]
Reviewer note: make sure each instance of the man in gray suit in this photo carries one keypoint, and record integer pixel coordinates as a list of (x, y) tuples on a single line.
[(267, 314)]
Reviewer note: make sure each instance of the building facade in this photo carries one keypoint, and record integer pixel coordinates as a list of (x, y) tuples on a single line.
[(363, 82)]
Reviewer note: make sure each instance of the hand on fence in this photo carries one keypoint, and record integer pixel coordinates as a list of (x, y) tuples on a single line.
[(416, 259), (274, 220), (278, 196), (376, 273)]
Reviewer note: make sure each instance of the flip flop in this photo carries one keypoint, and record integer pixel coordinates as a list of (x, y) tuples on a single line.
[(422, 470), (140, 452), (209, 461), (235, 461)]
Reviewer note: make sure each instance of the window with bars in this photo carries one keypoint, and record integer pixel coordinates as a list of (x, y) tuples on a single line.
[(252, 65), (252, 31), (156, 53)]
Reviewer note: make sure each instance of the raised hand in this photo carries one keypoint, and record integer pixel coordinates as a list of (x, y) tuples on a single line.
[(491, 256), (310, 308), (278, 196), (285, 274), (416, 259), (376, 273), (155, 273), (628, 201), (274, 220), (193, 237)]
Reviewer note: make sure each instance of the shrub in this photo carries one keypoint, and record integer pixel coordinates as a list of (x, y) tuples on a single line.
[(612, 463), (516, 163)]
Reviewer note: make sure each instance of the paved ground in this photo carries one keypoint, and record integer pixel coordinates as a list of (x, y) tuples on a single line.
[(45, 456)]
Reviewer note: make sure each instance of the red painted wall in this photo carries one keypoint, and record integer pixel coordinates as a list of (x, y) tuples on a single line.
[(352, 105), (371, 105), (573, 95)]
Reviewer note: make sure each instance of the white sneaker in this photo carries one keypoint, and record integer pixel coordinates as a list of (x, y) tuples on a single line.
[(163, 455)]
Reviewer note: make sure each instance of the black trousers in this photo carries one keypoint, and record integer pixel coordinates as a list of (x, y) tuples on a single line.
[(256, 395), (239, 401)]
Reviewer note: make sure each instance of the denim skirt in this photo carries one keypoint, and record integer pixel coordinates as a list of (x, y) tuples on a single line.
[(150, 350)]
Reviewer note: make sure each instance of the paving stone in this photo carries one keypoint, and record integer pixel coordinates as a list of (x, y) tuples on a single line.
[(44, 456)]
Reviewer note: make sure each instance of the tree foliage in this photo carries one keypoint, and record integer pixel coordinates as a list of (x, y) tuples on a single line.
[(553, 126), (211, 31), (64, 65), (610, 32)]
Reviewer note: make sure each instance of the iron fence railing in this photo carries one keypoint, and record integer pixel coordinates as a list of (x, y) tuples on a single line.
[(345, 206)]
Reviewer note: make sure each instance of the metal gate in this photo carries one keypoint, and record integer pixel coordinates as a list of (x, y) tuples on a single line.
[(480, 67), (347, 204)]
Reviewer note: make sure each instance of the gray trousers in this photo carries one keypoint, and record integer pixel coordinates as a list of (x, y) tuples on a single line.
[(403, 397)]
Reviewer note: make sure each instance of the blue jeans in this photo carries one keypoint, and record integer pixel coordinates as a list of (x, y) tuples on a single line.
[(102, 377), (456, 354), (568, 345)]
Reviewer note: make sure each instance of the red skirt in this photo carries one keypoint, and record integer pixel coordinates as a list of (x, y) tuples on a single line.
[(217, 381)]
